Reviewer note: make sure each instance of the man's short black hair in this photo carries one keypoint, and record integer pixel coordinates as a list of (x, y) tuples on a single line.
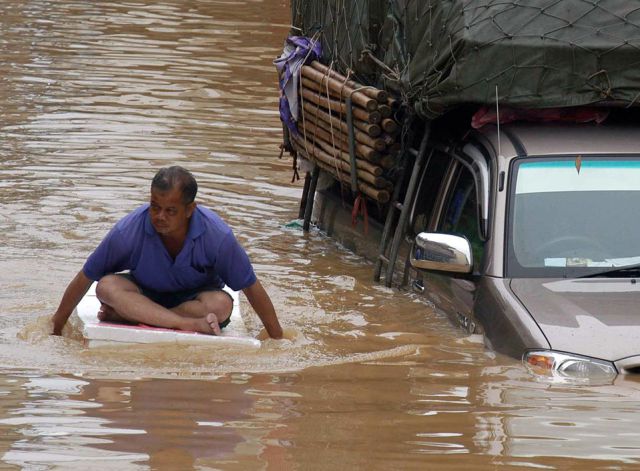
[(175, 176)]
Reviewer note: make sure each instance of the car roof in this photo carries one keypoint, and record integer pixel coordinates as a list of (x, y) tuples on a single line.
[(559, 139)]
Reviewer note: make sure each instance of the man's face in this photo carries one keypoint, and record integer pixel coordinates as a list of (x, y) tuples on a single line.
[(169, 215)]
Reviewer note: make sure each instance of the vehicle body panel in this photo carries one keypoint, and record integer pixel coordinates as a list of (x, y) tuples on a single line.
[(508, 325), (597, 317)]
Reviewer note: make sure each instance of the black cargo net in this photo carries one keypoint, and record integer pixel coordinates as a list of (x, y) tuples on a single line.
[(436, 55)]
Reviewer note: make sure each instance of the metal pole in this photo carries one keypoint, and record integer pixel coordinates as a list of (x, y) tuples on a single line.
[(303, 199), (310, 197), (406, 207)]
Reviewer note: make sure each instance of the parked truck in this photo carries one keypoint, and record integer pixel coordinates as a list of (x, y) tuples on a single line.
[(493, 150)]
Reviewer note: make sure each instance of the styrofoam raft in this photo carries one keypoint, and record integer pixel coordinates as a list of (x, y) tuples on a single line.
[(98, 333)]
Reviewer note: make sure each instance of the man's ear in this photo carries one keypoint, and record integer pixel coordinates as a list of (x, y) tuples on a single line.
[(190, 208)]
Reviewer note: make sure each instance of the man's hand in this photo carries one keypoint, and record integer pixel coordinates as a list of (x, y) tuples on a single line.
[(57, 324), (261, 303), (70, 299)]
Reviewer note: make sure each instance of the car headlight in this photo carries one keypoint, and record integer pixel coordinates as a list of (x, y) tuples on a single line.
[(576, 366)]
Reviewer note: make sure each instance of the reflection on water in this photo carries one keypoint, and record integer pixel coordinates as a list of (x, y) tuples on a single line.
[(404, 416), (564, 420), (72, 423), (95, 96)]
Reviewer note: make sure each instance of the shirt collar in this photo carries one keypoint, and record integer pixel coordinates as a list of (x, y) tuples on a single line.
[(148, 227), (196, 224)]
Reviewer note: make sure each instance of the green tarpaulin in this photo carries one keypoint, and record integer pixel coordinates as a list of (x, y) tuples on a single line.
[(438, 55)]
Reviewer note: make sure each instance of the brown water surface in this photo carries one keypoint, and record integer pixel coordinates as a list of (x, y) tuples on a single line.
[(94, 98)]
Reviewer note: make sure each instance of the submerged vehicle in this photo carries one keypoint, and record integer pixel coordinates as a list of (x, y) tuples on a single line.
[(512, 202), (528, 237), (545, 233)]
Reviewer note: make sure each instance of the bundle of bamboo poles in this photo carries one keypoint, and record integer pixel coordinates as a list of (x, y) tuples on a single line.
[(324, 131)]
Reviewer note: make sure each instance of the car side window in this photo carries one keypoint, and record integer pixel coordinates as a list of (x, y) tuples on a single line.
[(460, 215)]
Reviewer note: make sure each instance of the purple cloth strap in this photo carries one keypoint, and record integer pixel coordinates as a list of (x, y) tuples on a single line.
[(298, 50)]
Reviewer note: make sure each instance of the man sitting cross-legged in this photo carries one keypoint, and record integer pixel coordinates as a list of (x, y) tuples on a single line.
[(179, 256)]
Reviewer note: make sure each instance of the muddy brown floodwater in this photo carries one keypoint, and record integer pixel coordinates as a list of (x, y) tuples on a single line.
[(94, 97)]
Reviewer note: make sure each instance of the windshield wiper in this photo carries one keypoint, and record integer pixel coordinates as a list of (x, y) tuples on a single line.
[(628, 270)]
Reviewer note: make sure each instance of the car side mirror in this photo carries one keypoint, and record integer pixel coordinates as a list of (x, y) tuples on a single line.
[(442, 252)]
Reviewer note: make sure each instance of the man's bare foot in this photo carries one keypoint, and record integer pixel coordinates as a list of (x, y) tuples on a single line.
[(212, 320), (204, 325), (108, 314)]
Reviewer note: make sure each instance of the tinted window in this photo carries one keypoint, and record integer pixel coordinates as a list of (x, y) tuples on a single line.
[(461, 213)]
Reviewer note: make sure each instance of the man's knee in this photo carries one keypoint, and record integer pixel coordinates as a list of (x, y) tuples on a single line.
[(217, 301), (110, 285)]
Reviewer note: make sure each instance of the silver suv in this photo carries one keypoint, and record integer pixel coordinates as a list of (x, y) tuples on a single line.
[(533, 239)]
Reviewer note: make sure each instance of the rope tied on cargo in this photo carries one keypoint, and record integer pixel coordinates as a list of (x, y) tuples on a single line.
[(605, 89), (389, 73), (294, 154), (327, 77)]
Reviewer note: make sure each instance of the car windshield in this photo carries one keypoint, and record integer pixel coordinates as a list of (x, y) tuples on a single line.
[(572, 216)]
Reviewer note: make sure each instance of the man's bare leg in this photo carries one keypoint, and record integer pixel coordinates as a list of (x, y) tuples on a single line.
[(207, 302), (125, 300)]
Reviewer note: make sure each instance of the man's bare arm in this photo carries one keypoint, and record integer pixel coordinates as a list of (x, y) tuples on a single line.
[(72, 296), (261, 303)]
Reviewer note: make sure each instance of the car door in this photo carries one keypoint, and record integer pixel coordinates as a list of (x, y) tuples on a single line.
[(427, 205), (457, 212)]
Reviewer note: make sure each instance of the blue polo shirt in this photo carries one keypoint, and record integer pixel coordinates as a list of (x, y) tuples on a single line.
[(210, 256)]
